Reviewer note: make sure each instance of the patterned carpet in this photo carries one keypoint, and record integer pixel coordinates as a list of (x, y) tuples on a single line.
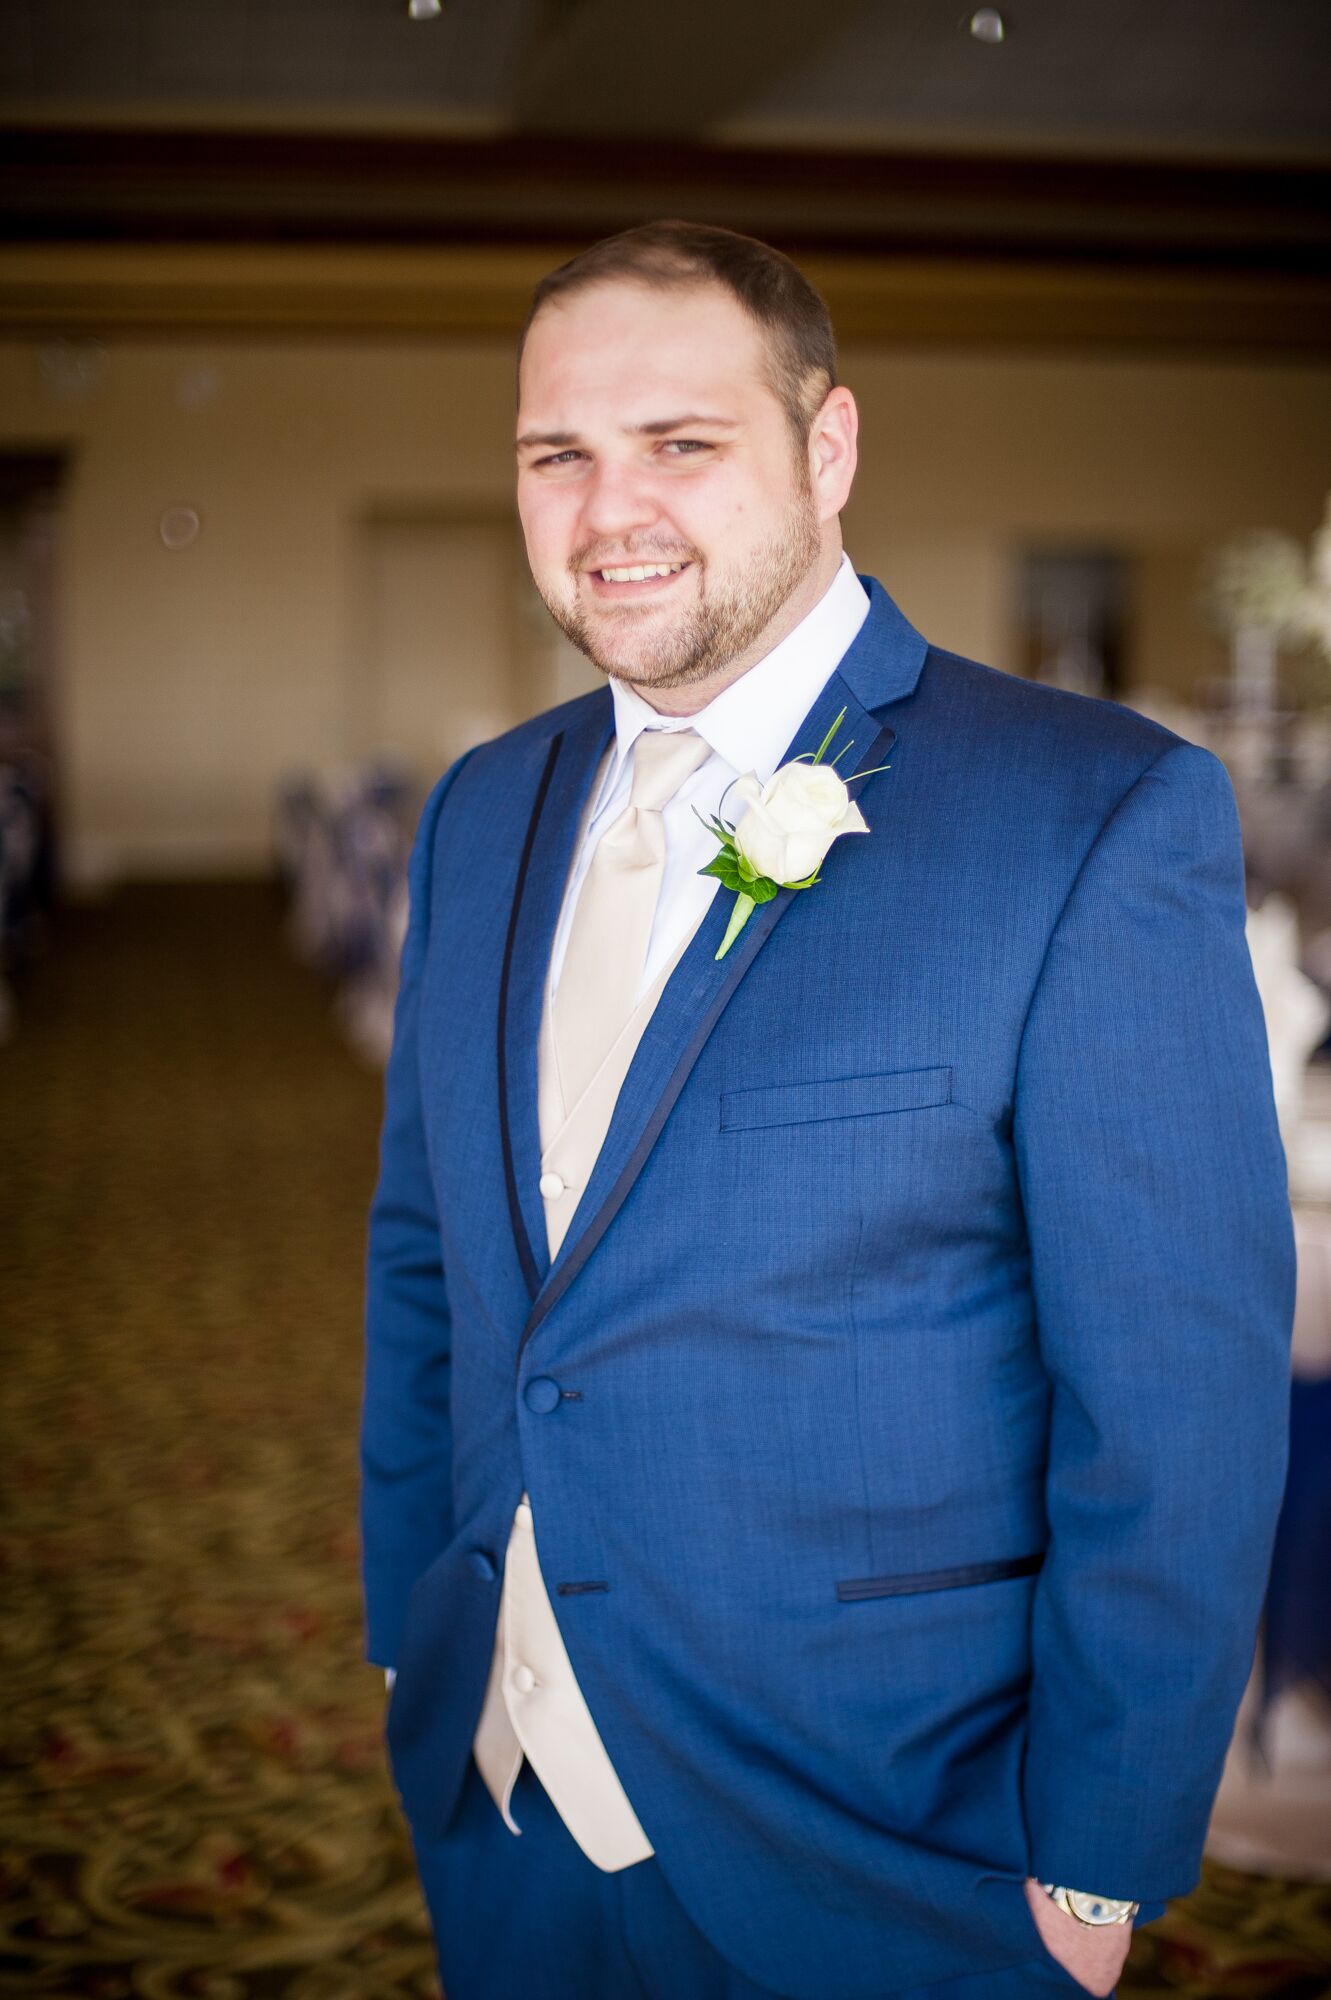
[(193, 1803)]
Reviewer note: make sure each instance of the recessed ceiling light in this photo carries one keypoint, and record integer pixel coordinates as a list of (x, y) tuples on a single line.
[(424, 10), (988, 25)]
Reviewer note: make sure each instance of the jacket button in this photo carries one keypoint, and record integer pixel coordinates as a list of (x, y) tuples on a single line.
[(551, 1185), (542, 1395), (483, 1563)]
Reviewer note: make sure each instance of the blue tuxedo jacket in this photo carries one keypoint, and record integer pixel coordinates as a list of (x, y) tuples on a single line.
[(904, 1413)]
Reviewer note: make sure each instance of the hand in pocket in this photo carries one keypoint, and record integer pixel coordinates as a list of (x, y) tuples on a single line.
[(1094, 1958)]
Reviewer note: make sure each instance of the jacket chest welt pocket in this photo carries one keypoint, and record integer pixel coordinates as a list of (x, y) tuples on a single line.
[(835, 1097), (854, 1588)]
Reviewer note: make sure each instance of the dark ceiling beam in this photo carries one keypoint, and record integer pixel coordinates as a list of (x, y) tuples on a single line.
[(593, 66), (215, 187), (135, 291)]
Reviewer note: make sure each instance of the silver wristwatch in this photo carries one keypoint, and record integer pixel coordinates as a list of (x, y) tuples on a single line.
[(1093, 1911)]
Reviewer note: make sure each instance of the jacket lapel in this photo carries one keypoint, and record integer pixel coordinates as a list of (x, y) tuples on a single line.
[(566, 773), (882, 665)]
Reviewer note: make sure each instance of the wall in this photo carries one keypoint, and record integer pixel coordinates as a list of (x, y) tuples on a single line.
[(191, 683)]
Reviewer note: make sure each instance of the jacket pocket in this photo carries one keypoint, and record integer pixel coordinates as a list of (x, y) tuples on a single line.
[(835, 1097), (852, 1588)]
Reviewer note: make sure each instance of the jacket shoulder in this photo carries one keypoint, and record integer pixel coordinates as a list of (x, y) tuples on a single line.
[(495, 758), (543, 728), (1061, 734)]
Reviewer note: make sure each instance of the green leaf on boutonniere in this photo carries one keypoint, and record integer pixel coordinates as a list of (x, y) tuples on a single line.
[(761, 889), (725, 867)]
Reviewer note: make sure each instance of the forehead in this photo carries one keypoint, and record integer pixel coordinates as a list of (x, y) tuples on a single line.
[(606, 351)]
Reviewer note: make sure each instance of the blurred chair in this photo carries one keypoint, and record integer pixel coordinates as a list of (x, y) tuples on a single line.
[(342, 847)]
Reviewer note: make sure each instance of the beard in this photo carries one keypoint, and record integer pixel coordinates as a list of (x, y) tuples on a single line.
[(721, 624)]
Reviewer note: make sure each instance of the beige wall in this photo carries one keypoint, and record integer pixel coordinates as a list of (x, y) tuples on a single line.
[(435, 656), (339, 484)]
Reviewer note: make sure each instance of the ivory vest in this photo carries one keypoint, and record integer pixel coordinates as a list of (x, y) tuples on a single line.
[(533, 1705)]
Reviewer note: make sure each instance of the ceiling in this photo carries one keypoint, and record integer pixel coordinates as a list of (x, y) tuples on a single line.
[(1144, 174), (1123, 76)]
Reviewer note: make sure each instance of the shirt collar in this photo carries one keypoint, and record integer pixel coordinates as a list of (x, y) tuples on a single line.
[(750, 723)]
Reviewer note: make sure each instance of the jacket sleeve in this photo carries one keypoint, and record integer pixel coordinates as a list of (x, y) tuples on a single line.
[(406, 1443), (1162, 1268)]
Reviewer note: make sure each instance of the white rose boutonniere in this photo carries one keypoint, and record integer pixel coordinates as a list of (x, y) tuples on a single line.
[(780, 842)]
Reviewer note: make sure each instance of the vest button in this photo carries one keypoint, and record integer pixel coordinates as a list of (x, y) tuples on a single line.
[(483, 1563), (542, 1395), (552, 1185)]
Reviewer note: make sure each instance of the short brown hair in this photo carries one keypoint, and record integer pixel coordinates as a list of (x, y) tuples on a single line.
[(801, 346)]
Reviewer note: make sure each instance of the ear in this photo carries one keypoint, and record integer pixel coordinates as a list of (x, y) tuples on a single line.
[(833, 454)]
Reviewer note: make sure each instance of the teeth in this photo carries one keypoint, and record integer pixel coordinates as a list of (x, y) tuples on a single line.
[(640, 571)]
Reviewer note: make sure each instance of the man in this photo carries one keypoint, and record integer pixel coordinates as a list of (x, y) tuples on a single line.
[(825, 1395)]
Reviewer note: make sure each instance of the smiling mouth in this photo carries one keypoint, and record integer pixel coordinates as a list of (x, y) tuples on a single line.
[(636, 576)]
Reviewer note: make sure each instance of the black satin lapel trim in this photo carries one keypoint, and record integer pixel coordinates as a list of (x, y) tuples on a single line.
[(526, 1256), (691, 1003)]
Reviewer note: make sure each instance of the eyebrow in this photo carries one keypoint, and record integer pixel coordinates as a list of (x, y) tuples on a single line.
[(654, 427)]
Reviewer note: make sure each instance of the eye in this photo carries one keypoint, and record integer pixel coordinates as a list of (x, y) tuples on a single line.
[(688, 446), (559, 457)]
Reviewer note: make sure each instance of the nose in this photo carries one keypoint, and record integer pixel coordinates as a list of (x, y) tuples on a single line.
[(617, 501)]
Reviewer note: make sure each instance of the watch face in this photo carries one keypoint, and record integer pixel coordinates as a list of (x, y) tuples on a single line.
[(1097, 1909)]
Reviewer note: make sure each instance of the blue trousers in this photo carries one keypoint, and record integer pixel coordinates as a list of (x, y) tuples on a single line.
[(528, 1917)]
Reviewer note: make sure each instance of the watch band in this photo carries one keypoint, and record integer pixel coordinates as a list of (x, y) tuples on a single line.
[(1095, 1912)]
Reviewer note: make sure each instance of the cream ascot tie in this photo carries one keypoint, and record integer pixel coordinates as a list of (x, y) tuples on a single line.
[(612, 919)]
